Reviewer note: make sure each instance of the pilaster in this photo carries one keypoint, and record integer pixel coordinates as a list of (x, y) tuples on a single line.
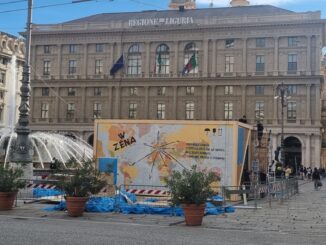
[(176, 58), (243, 99), (204, 102), (308, 103), (276, 53), (146, 102), (214, 53), (308, 72), (85, 65), (244, 57), (175, 102), (59, 60), (117, 103), (213, 87), (205, 57), (147, 59), (307, 152)]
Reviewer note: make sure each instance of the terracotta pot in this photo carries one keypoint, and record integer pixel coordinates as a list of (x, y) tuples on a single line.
[(76, 205), (7, 200), (194, 214)]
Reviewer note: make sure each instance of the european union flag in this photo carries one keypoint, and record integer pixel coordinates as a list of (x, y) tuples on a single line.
[(117, 66)]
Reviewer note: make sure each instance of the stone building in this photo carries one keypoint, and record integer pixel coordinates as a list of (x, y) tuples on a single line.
[(236, 58), (11, 65)]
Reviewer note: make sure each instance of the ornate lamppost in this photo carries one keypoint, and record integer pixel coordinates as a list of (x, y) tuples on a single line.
[(283, 95), (22, 149)]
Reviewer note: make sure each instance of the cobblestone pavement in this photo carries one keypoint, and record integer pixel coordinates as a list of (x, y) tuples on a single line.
[(303, 215)]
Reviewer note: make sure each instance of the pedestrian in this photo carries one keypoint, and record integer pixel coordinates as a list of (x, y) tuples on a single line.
[(288, 171), (305, 172), (301, 173), (316, 179), (309, 172)]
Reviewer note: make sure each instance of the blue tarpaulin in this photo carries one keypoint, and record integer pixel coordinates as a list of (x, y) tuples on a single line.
[(119, 203)]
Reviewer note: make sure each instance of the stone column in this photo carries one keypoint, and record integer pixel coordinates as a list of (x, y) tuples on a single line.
[(212, 117), (85, 65), (205, 57), (244, 57), (318, 104), (148, 66), (307, 153), (57, 105), (243, 99), (176, 59), (213, 73), (204, 103), (308, 103), (117, 104), (146, 102), (275, 116), (83, 108), (175, 102), (317, 145), (59, 61), (109, 103), (308, 72), (276, 68)]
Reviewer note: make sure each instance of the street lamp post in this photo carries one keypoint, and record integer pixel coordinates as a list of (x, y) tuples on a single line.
[(283, 92), (22, 149)]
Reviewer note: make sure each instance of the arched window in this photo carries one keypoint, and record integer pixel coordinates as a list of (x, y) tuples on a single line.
[(134, 60), (162, 61), (190, 51)]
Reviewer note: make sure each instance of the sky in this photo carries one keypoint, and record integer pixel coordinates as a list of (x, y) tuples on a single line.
[(14, 22)]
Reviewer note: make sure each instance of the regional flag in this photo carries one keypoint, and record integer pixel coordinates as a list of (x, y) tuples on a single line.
[(117, 66), (192, 63), (158, 64)]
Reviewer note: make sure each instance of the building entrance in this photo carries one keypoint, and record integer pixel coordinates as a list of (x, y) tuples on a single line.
[(292, 153)]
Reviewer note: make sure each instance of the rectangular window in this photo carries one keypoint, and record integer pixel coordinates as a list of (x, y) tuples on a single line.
[(44, 110), (260, 63), (293, 41), (260, 42), (46, 67), (229, 63), (72, 48), (2, 77), (292, 89), (190, 110), (45, 91), (292, 110), (71, 92), (229, 43), (70, 110), (292, 62), (132, 110), (47, 49), (228, 110), (190, 90), (99, 48), (133, 91), (97, 91), (72, 67), (97, 109), (228, 90), (160, 111), (98, 67), (259, 90), (161, 91), (259, 110)]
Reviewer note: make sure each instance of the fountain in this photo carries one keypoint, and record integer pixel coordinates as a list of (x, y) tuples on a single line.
[(46, 146)]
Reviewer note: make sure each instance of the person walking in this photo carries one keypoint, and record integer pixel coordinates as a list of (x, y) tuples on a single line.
[(316, 179), (309, 172)]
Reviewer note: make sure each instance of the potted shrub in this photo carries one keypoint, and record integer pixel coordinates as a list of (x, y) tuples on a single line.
[(78, 186), (10, 183), (191, 189)]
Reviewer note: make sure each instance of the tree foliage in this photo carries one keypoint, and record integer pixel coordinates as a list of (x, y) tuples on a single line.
[(10, 179), (85, 180), (191, 186)]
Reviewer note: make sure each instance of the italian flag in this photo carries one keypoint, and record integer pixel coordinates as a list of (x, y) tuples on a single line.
[(190, 65)]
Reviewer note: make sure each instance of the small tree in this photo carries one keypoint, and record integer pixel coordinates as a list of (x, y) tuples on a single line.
[(85, 181), (10, 179), (191, 186)]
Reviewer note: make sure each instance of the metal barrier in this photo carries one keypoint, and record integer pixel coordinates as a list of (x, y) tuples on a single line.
[(153, 196)]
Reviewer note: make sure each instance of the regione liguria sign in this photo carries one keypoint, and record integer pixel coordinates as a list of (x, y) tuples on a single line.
[(161, 21)]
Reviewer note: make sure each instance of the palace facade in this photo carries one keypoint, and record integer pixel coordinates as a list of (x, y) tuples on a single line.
[(241, 56)]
